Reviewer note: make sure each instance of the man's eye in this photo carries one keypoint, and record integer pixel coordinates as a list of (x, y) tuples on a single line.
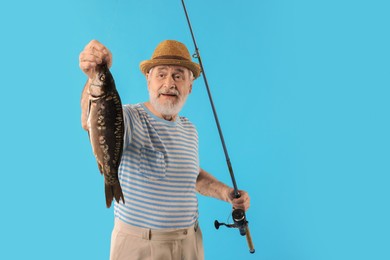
[(178, 76)]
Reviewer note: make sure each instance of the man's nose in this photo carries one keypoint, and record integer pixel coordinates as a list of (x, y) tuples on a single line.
[(170, 82)]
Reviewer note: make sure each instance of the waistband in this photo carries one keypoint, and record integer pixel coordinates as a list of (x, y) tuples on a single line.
[(149, 234)]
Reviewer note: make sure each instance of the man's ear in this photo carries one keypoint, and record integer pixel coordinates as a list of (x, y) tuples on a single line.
[(190, 89), (147, 79)]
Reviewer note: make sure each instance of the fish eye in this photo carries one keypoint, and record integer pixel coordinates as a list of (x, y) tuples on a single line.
[(102, 77)]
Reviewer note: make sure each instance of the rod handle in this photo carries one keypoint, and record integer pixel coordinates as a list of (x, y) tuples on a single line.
[(249, 240)]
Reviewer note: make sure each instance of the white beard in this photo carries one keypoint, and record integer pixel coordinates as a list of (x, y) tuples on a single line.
[(167, 108)]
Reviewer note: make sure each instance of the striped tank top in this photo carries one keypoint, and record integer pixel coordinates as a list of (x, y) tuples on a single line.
[(158, 171)]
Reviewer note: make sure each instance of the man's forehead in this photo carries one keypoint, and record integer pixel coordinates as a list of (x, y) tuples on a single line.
[(172, 67)]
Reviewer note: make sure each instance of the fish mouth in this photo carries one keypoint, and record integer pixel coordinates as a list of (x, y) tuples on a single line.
[(96, 91)]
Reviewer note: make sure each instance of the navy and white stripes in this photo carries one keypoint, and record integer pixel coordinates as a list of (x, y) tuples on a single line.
[(158, 171)]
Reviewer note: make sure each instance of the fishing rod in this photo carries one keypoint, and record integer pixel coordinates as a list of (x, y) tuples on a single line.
[(238, 215)]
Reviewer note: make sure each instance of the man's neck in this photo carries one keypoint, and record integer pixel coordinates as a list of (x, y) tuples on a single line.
[(171, 118)]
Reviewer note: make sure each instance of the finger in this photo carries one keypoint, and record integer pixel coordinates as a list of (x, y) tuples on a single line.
[(244, 207), (232, 194), (242, 193), (108, 59), (90, 57), (239, 206), (87, 61), (239, 200), (93, 53), (96, 45), (243, 203), (96, 48), (87, 66), (106, 56), (100, 57), (99, 50)]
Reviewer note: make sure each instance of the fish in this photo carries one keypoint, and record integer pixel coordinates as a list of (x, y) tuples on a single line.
[(106, 130)]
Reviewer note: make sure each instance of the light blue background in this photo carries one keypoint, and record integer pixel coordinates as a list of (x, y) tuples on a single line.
[(302, 92)]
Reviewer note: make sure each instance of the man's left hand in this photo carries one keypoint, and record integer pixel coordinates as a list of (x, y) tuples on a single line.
[(243, 202)]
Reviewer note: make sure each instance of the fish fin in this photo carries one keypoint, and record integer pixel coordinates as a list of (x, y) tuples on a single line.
[(100, 167), (88, 112), (113, 191), (109, 195), (89, 107)]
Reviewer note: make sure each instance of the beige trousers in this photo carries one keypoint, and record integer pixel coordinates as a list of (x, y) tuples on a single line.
[(134, 243)]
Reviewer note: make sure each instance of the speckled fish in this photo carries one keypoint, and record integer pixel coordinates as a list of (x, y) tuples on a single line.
[(106, 130)]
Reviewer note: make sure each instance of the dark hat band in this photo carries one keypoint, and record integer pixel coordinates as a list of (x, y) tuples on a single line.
[(169, 57)]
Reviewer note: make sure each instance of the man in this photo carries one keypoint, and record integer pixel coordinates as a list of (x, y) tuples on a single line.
[(159, 171)]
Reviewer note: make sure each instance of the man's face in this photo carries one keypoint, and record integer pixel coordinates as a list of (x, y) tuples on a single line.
[(169, 87)]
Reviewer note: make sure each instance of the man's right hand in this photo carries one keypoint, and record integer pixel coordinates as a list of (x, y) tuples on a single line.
[(93, 54)]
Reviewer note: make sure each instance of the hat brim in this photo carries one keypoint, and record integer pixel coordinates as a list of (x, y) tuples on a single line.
[(146, 65)]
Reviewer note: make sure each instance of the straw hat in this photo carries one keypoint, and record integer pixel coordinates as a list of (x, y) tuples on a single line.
[(170, 52)]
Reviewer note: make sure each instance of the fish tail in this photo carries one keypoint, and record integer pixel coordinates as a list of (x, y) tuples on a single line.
[(118, 194), (109, 194), (113, 191)]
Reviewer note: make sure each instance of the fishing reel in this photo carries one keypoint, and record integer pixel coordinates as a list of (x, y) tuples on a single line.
[(239, 220), (241, 223)]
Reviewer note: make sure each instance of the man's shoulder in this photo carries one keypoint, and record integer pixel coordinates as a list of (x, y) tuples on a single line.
[(186, 122), (184, 119), (135, 111), (133, 108)]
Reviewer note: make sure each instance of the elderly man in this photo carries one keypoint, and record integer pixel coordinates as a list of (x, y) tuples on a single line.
[(159, 171)]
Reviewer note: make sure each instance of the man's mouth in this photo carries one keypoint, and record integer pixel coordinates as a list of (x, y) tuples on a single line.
[(168, 94)]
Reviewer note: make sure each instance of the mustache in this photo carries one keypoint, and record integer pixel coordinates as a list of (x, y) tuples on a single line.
[(172, 92)]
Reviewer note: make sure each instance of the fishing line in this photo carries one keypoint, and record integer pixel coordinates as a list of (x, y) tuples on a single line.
[(238, 215)]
